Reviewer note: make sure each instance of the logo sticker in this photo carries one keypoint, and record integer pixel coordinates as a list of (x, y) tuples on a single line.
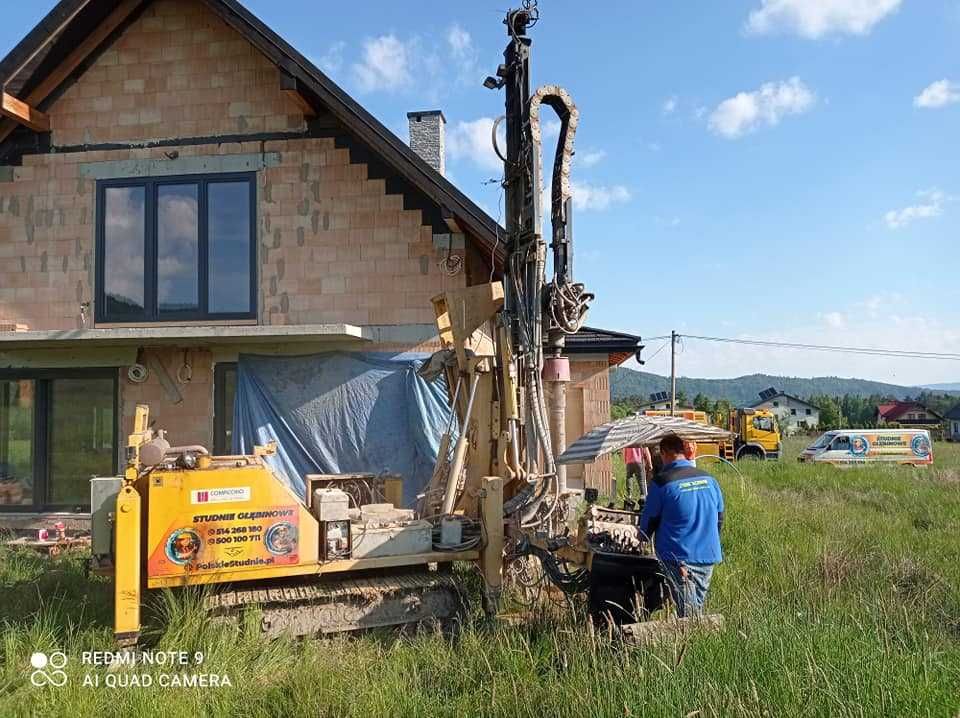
[(281, 538), (183, 545), (859, 446), (920, 446), (220, 496)]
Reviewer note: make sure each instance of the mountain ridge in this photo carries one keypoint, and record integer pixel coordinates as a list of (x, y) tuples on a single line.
[(745, 390)]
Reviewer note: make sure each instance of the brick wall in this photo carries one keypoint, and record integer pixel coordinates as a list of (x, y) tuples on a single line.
[(189, 421), (336, 247), (333, 246), (592, 377), (176, 71)]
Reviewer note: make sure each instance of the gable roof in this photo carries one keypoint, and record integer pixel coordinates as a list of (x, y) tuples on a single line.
[(896, 409), (953, 414), (70, 22), (789, 396)]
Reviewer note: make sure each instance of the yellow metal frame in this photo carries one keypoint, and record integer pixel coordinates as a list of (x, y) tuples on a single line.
[(223, 498)]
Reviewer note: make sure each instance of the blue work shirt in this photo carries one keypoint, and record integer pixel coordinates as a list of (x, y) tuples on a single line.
[(684, 508)]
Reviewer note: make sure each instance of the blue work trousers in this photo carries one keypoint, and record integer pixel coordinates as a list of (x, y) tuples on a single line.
[(688, 584)]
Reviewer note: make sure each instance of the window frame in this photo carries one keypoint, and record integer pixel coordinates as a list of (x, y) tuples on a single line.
[(220, 407), (40, 451), (151, 311)]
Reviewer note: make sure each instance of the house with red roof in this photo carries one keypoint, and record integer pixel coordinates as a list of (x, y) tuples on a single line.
[(907, 413)]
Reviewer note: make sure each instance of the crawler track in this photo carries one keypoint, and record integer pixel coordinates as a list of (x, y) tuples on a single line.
[(312, 605)]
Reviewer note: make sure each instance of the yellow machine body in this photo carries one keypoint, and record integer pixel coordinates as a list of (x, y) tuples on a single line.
[(225, 523), (230, 519)]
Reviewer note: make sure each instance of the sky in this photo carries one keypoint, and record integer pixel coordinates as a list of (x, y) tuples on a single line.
[(783, 170)]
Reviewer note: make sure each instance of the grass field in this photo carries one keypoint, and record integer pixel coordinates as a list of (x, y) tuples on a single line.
[(841, 592)]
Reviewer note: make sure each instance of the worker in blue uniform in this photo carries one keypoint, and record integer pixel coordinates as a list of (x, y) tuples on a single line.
[(684, 515)]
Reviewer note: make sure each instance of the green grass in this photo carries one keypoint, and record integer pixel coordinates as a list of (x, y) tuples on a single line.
[(841, 592)]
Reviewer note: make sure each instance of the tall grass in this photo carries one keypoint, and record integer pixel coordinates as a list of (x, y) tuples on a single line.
[(840, 589)]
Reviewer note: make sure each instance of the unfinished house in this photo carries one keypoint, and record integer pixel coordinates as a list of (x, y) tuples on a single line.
[(181, 188)]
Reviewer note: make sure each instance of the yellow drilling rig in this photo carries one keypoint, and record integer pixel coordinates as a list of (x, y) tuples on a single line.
[(344, 556)]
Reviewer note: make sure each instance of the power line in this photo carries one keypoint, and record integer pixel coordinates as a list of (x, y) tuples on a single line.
[(662, 347), (867, 351)]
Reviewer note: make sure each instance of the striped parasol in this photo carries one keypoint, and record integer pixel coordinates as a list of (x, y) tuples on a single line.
[(637, 430)]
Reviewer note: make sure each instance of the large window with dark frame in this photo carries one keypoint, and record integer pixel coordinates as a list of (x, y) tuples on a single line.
[(57, 430), (176, 248)]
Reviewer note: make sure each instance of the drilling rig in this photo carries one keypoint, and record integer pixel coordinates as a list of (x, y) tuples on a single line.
[(497, 497)]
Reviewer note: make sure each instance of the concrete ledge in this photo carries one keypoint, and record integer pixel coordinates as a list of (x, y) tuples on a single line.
[(208, 164), (192, 335), (399, 333)]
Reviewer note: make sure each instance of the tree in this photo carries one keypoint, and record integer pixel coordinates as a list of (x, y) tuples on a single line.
[(702, 402)]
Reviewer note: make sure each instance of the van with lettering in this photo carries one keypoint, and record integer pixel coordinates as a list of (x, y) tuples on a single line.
[(851, 447)]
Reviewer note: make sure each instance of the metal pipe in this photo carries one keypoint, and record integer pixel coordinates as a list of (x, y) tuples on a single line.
[(460, 453), (558, 429)]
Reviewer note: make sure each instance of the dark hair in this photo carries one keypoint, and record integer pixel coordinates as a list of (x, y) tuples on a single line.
[(671, 444)]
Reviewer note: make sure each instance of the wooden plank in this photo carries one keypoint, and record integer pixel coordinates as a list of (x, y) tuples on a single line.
[(653, 631), (73, 60), (50, 37), (22, 113), (289, 86)]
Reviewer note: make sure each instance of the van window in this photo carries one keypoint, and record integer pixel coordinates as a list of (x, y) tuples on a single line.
[(841, 443)]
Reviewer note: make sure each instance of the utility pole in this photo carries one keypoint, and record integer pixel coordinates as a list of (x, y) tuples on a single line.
[(673, 373)]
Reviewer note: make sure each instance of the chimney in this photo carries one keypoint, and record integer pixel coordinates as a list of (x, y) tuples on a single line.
[(426, 137)]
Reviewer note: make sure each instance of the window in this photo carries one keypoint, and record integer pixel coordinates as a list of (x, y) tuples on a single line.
[(793, 412), (763, 423), (57, 430), (224, 392), (841, 443), (809, 412), (776, 404), (176, 248)]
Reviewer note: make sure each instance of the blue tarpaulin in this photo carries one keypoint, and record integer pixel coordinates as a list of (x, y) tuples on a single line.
[(341, 412)]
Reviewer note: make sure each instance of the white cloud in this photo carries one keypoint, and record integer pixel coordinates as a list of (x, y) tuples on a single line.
[(746, 111), (589, 197), (472, 141), (930, 205), (589, 158), (332, 60), (816, 18), (938, 94), (385, 64), (550, 129), (835, 320), (669, 105), (464, 55), (459, 40)]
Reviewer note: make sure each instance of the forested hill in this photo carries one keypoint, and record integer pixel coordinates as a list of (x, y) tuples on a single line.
[(744, 390)]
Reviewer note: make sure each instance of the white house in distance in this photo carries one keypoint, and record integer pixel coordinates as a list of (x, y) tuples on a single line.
[(794, 413), (953, 424)]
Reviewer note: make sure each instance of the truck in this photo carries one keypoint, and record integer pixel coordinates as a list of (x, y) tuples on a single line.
[(757, 433)]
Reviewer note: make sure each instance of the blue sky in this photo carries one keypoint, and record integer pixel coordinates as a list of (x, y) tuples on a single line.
[(772, 169)]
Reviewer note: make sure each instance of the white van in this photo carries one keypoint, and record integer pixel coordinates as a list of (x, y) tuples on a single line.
[(866, 446)]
